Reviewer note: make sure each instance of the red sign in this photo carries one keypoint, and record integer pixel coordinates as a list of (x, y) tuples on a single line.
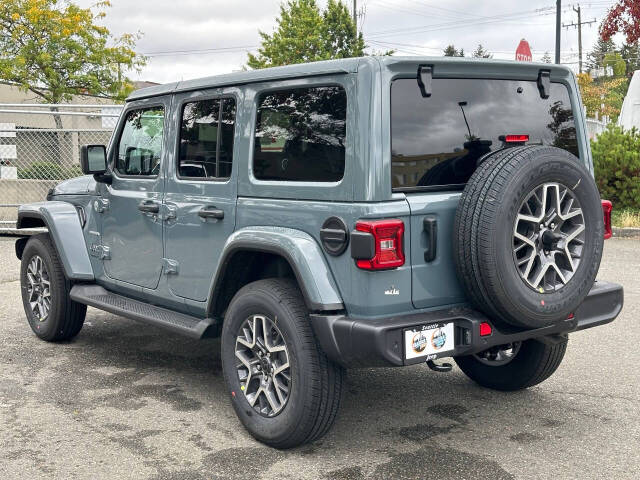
[(523, 52)]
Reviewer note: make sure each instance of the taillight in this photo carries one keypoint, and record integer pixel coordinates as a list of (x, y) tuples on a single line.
[(516, 138), (607, 207), (387, 242)]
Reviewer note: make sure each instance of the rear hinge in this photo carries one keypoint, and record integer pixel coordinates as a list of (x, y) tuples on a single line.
[(100, 251), (425, 75), (101, 205), (170, 267), (544, 83)]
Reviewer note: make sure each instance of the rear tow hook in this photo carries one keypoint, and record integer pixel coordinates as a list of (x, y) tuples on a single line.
[(445, 367)]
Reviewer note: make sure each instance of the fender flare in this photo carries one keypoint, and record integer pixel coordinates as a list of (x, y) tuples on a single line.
[(302, 253), (61, 219)]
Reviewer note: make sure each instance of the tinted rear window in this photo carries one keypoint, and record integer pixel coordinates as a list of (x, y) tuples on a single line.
[(437, 141), (300, 135)]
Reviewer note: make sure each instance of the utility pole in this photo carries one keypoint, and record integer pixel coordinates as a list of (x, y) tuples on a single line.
[(579, 27), (558, 30), (355, 15)]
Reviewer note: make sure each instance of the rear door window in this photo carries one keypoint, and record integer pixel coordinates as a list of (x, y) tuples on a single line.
[(300, 135), (206, 139), (436, 142)]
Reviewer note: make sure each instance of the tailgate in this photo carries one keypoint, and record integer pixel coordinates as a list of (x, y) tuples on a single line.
[(433, 275)]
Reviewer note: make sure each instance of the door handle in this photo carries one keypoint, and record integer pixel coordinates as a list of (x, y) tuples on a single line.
[(431, 228), (149, 206), (211, 212)]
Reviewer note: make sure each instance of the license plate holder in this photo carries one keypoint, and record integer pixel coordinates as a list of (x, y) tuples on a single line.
[(433, 340)]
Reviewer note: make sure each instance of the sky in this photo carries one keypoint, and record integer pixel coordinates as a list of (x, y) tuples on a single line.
[(186, 39)]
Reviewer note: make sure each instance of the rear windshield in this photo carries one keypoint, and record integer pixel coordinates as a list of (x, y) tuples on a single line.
[(436, 142)]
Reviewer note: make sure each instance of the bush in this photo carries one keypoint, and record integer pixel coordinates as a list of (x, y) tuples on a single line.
[(616, 160), (49, 171)]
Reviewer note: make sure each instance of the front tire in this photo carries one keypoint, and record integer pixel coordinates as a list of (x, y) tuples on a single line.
[(51, 313), (290, 396), (515, 366)]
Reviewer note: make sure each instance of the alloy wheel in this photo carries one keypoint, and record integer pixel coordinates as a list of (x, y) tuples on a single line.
[(548, 237), (263, 366), (38, 288)]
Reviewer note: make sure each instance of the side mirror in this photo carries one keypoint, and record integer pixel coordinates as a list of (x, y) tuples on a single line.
[(93, 159)]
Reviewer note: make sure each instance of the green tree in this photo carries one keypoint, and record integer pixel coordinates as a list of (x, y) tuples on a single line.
[(56, 49), (616, 162), (616, 62), (451, 51), (304, 33), (631, 56), (595, 58), (546, 58), (480, 52)]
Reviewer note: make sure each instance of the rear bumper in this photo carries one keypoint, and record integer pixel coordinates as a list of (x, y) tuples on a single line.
[(356, 342)]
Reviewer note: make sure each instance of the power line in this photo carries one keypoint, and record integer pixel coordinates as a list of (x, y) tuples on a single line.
[(462, 23), (200, 51), (579, 27)]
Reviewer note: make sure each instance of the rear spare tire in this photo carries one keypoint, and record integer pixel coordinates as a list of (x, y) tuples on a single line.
[(528, 235)]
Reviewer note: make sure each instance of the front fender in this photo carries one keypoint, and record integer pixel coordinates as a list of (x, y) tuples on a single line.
[(61, 219), (300, 250)]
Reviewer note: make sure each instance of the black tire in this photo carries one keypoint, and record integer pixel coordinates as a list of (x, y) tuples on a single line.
[(535, 361), (65, 317), (484, 229), (316, 382)]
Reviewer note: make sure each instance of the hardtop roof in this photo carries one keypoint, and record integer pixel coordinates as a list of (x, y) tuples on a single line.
[(346, 65)]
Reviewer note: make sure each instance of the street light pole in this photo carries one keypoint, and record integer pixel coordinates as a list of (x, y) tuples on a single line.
[(558, 26), (355, 15)]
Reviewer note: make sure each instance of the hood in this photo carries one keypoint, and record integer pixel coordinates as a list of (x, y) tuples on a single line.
[(75, 186)]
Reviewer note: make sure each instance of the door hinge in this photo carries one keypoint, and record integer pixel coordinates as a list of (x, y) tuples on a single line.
[(101, 205), (170, 266), (170, 212), (100, 251)]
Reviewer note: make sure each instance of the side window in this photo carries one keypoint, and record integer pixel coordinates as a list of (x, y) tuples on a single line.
[(300, 135), (140, 144), (206, 139)]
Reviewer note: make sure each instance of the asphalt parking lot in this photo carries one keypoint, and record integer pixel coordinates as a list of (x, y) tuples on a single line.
[(125, 400)]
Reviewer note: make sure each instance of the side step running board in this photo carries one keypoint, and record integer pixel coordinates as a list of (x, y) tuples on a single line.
[(98, 297)]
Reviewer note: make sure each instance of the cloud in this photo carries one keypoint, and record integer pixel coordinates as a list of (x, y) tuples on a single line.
[(418, 27)]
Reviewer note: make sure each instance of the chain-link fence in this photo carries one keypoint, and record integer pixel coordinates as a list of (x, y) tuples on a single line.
[(40, 146)]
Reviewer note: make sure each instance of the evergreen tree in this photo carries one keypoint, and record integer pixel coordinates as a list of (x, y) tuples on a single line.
[(480, 52), (595, 58), (631, 55), (451, 51)]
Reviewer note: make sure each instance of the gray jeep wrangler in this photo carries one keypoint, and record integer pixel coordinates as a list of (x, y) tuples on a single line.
[(350, 213)]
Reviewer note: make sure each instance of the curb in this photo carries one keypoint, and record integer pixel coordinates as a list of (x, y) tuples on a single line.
[(12, 232), (627, 232)]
